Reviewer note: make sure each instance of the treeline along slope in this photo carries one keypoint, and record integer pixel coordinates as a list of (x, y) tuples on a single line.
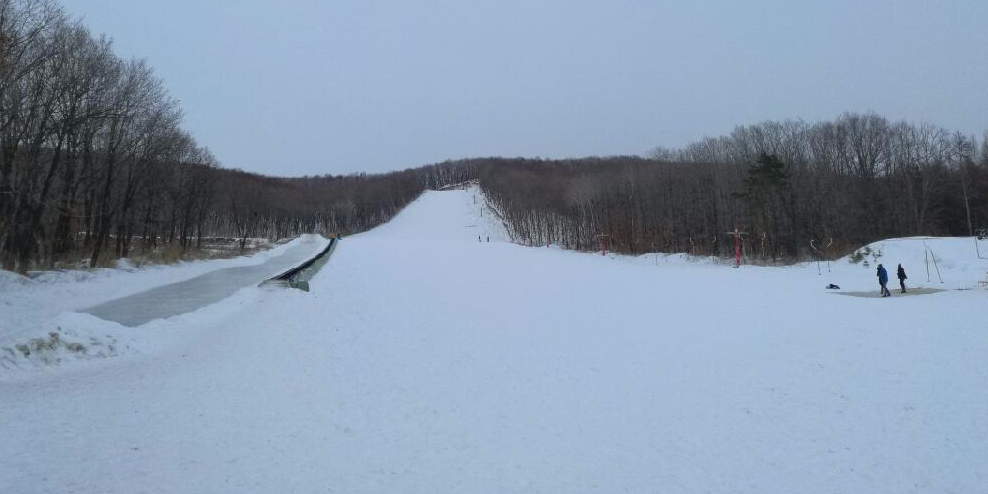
[(791, 186), (94, 163)]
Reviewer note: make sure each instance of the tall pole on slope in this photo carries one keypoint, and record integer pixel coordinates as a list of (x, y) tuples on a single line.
[(813, 246), (934, 256), (926, 256), (737, 233), (603, 243)]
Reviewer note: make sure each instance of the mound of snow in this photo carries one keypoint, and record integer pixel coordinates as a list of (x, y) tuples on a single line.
[(68, 336), (955, 258)]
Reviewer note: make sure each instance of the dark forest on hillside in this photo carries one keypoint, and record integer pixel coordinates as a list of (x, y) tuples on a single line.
[(94, 165), (794, 187)]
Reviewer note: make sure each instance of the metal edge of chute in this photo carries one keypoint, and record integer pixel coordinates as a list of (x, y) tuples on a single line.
[(298, 276)]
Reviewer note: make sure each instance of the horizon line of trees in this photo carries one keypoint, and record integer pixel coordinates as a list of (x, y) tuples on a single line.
[(94, 163), (793, 187)]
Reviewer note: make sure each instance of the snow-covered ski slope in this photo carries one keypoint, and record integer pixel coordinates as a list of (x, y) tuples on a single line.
[(423, 361)]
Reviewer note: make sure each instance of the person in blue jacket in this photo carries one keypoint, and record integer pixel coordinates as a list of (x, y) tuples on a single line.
[(883, 279)]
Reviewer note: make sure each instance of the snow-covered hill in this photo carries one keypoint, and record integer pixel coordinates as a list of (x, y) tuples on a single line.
[(956, 259), (426, 361)]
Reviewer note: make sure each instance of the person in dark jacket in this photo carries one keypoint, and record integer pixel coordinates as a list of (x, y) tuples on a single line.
[(901, 273), (883, 279)]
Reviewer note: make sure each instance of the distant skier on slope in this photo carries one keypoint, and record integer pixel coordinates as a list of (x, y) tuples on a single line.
[(901, 273), (883, 279)]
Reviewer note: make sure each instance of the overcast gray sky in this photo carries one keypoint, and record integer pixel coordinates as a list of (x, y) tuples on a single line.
[(310, 87)]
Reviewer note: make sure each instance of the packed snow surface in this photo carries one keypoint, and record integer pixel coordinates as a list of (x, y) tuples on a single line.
[(205, 289), (424, 361)]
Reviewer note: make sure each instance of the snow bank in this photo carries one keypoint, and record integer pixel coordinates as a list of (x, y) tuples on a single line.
[(39, 325), (956, 259)]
